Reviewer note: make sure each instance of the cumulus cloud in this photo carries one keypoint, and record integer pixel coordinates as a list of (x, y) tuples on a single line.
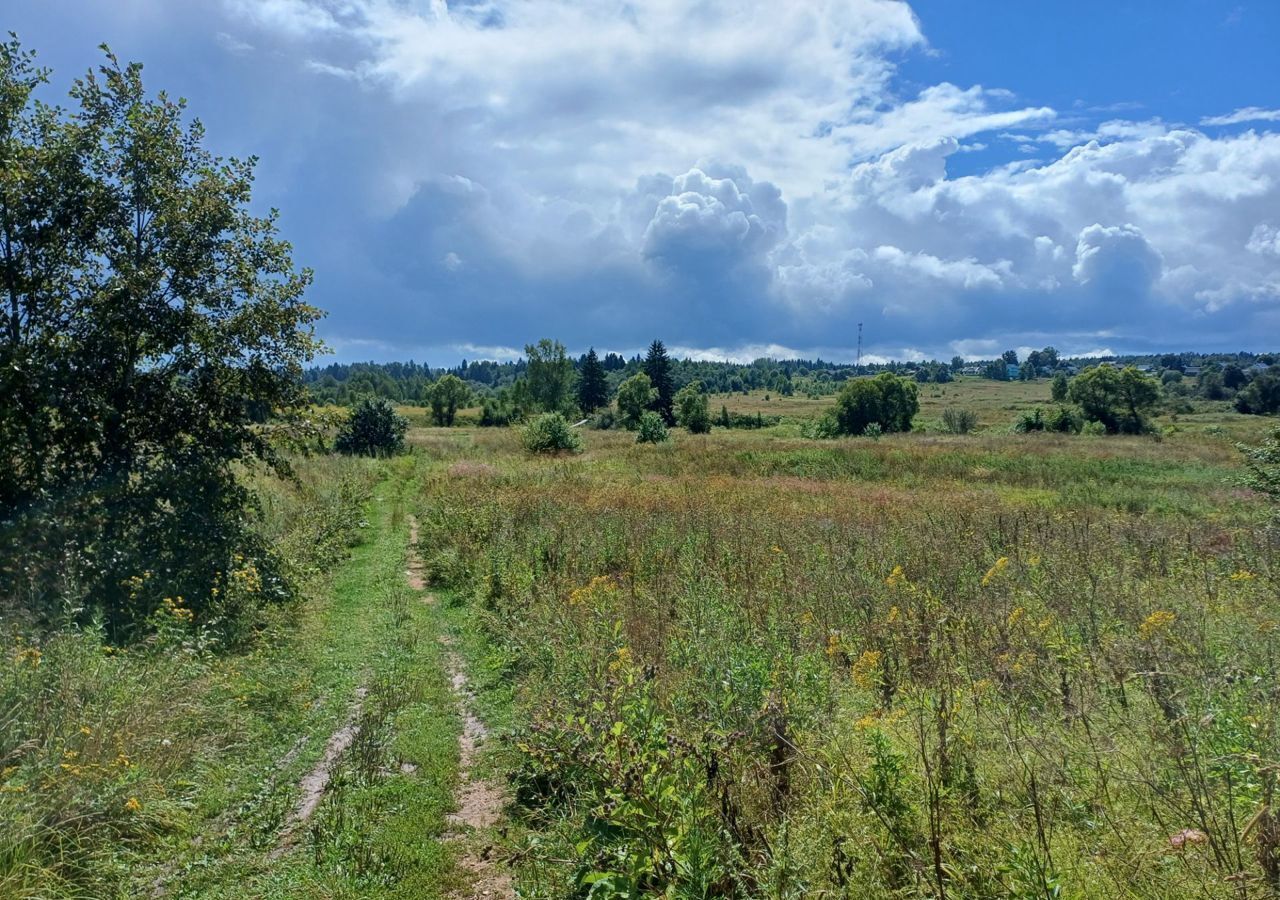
[(727, 175)]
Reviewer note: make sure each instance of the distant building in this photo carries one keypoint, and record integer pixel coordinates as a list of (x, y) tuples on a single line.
[(1192, 371), (1014, 371), (1257, 368), (971, 370)]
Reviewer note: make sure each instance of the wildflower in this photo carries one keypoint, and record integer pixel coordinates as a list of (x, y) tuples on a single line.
[(1001, 564), (1155, 623), (896, 577), (1016, 616), (623, 660), (870, 720), (1243, 575), (86, 730), (833, 644), (893, 614), (132, 805), (864, 668), (31, 656)]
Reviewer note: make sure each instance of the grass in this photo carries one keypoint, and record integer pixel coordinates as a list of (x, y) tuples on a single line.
[(751, 665), (174, 765)]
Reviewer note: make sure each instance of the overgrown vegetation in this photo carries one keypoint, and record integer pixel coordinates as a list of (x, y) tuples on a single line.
[(373, 428)]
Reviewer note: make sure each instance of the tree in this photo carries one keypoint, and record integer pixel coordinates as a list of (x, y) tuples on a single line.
[(658, 367), (1010, 357), (1262, 395), (445, 396), (957, 363), (549, 376), (148, 318), (1262, 464), (593, 390), (885, 400), (1233, 376), (997, 370), (373, 428), (635, 395), (1119, 399), (1058, 391), (691, 408)]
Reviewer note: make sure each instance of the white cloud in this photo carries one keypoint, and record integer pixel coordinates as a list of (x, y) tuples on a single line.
[(1247, 114)]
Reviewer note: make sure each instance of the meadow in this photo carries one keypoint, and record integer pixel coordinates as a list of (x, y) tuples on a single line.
[(995, 665), (745, 664)]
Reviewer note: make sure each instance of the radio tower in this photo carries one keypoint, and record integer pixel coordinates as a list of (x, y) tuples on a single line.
[(859, 362)]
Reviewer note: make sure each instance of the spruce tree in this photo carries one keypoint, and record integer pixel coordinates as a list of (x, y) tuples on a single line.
[(657, 365), (593, 391)]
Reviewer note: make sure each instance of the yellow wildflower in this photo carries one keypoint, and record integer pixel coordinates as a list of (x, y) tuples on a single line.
[(132, 804), (864, 668), (896, 577), (1001, 564), (1156, 622), (893, 614), (1016, 616), (1243, 575)]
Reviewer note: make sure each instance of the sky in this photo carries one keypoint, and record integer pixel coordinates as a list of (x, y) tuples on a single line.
[(740, 178)]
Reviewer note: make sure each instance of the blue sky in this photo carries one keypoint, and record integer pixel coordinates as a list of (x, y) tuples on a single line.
[(741, 178)]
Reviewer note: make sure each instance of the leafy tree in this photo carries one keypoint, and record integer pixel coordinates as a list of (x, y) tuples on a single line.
[(658, 367), (593, 389), (691, 408), (549, 376), (957, 363), (148, 318), (635, 395), (1118, 399), (446, 395), (550, 433), (997, 370), (1010, 357), (1262, 395), (652, 429), (1058, 391), (1233, 376), (884, 400), (373, 428)]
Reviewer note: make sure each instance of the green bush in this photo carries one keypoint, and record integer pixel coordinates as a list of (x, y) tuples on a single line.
[(959, 421), (691, 409), (550, 433), (374, 428), (886, 400), (652, 429)]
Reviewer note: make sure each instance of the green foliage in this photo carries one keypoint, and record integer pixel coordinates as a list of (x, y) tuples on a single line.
[(959, 421), (373, 428), (1119, 399), (1263, 467), (1061, 384), (692, 411), (652, 430), (657, 365), (150, 323), (593, 390), (550, 433), (549, 377), (446, 395), (635, 396), (1261, 397), (885, 400)]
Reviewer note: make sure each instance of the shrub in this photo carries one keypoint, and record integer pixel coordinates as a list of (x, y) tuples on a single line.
[(550, 433), (1063, 419), (885, 400), (958, 421), (605, 420), (1093, 428), (652, 429), (1029, 422), (1119, 399), (374, 428), (445, 396)]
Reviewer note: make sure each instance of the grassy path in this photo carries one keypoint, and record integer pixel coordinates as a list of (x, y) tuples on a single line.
[(350, 791)]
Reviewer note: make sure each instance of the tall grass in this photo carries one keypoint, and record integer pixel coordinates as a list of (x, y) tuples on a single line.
[(1018, 666)]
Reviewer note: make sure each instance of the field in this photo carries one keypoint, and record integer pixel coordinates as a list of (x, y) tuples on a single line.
[(742, 664)]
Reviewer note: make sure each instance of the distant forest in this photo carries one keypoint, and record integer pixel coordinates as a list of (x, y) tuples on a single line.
[(410, 382)]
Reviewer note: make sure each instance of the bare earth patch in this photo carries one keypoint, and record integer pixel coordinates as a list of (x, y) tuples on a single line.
[(312, 786), (480, 800)]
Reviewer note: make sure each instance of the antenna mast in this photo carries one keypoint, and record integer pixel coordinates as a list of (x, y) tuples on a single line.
[(859, 362)]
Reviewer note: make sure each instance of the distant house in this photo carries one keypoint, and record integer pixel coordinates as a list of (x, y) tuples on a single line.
[(1191, 371), (1144, 368), (971, 370), (1257, 368), (1014, 371)]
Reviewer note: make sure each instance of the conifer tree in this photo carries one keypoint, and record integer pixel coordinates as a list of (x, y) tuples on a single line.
[(657, 365), (593, 391)]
